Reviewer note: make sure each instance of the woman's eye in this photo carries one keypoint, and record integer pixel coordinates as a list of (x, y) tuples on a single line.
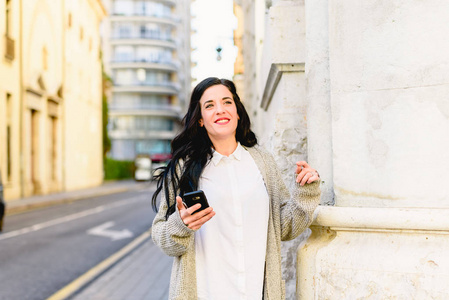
[(228, 102), (209, 105)]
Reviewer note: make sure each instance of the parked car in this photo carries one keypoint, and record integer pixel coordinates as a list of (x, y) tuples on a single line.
[(143, 164), (159, 160), (2, 203)]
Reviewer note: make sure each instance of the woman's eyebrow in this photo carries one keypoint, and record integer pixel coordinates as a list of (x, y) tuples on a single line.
[(224, 98), (207, 101)]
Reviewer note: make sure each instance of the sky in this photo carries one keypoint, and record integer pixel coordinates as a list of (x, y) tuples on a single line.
[(214, 22)]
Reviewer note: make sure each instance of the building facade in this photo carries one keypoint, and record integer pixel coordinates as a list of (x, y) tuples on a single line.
[(359, 90), (146, 46), (50, 96)]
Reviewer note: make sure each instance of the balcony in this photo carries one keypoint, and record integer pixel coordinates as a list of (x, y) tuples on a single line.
[(143, 18), (154, 110), (131, 63), (143, 39), (9, 48), (169, 2), (161, 88), (142, 134)]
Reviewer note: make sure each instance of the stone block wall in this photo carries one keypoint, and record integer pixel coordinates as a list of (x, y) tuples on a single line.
[(359, 89)]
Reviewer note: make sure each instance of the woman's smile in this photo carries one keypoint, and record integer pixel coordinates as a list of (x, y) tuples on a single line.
[(222, 121)]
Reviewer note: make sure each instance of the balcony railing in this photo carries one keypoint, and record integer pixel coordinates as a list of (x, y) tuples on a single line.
[(141, 13), (9, 48), (143, 106), (150, 36), (144, 60), (140, 83)]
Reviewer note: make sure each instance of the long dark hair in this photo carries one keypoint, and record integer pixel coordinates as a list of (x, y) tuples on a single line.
[(194, 147)]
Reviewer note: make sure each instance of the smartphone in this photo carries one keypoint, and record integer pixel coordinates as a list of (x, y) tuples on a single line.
[(192, 198)]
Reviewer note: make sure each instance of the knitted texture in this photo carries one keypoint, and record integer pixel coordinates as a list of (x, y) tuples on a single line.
[(289, 216)]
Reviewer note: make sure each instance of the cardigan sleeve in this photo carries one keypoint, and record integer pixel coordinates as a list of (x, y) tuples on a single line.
[(171, 235), (296, 209)]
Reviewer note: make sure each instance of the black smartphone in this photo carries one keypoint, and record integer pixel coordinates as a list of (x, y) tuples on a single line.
[(192, 198)]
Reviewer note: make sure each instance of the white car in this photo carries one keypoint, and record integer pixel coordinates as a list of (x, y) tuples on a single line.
[(143, 168)]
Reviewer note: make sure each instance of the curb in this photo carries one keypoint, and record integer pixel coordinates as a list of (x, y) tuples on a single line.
[(46, 203), (88, 277)]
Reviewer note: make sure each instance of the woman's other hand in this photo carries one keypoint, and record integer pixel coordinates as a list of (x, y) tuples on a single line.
[(305, 173), (194, 221)]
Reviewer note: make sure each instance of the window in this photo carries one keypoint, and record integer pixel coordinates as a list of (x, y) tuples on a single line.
[(123, 7), (69, 20), (124, 77), (154, 102), (123, 53), (8, 17), (153, 146), (8, 153), (44, 58), (139, 101), (122, 149), (142, 123), (141, 75), (8, 138), (52, 147), (123, 30), (143, 31)]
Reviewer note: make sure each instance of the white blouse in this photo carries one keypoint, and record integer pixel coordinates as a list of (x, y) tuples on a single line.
[(231, 247)]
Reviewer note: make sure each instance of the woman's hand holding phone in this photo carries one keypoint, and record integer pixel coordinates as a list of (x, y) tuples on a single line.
[(193, 221)]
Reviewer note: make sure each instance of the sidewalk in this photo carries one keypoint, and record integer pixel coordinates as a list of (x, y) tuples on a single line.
[(142, 275)]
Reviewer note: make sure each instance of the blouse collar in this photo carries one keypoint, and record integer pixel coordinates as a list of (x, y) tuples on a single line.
[(237, 154)]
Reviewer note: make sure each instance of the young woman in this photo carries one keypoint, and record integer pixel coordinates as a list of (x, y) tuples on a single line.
[(232, 249)]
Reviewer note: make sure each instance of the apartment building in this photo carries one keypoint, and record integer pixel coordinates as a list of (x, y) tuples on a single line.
[(50, 96), (146, 47)]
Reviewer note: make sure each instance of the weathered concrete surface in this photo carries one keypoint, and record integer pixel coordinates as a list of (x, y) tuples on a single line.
[(370, 112), (384, 253), (389, 68), (389, 80), (319, 121), (282, 128)]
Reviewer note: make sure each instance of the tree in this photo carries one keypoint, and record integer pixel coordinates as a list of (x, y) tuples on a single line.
[(106, 85)]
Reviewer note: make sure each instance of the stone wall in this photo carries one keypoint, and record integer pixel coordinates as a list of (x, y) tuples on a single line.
[(387, 67), (280, 107), (359, 89)]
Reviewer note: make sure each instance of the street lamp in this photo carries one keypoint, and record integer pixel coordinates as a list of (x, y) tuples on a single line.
[(218, 49)]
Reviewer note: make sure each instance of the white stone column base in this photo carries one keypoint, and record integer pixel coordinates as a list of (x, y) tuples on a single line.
[(375, 253)]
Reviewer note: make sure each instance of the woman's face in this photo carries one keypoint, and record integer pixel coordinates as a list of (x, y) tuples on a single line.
[(219, 113)]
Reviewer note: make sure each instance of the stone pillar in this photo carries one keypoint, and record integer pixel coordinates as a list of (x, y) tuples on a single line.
[(386, 238), (319, 121), (389, 76)]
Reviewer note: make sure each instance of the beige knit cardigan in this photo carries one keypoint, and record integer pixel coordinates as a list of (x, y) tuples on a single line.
[(289, 216)]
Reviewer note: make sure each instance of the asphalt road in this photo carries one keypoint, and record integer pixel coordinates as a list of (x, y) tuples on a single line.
[(44, 250)]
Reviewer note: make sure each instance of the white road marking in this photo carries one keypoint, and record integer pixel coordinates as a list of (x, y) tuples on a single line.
[(68, 218), (114, 235)]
